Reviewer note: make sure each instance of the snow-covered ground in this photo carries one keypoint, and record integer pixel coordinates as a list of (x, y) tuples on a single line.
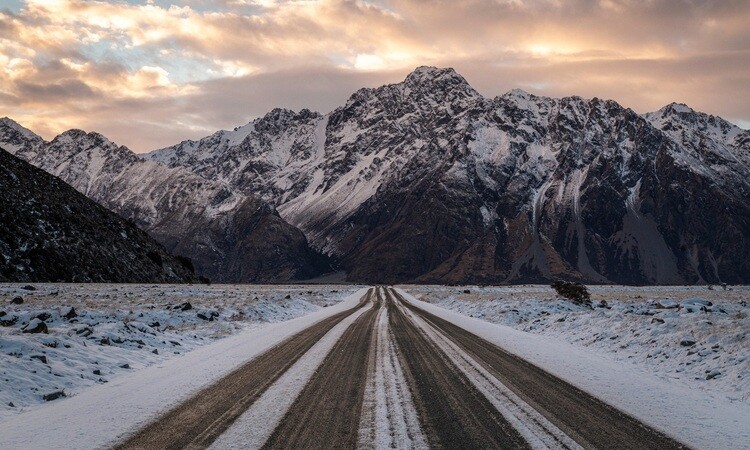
[(116, 329), (695, 336)]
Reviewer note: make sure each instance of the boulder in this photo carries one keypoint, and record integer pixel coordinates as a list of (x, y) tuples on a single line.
[(41, 358), (36, 326), (17, 300), (53, 396), (9, 322), (713, 374), (208, 315), (68, 312), (85, 332)]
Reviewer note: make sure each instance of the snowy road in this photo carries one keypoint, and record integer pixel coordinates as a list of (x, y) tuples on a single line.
[(387, 374)]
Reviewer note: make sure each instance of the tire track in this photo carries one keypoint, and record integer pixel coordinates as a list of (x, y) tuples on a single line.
[(588, 420), (453, 413), (326, 414), (197, 422), (535, 428), (253, 428)]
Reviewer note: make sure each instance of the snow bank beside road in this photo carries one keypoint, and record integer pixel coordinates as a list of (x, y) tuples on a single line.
[(697, 418)]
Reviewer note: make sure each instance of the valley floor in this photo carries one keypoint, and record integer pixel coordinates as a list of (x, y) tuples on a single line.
[(374, 368)]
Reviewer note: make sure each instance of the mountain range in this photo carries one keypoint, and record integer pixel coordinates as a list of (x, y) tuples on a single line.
[(229, 236), (429, 181)]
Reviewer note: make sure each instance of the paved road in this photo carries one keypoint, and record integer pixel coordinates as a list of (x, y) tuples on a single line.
[(458, 391)]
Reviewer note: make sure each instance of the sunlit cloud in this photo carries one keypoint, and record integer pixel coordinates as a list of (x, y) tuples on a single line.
[(148, 73)]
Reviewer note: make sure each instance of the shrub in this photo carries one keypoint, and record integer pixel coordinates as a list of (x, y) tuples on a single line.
[(575, 292)]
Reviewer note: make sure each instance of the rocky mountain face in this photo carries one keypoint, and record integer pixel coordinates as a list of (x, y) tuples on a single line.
[(50, 232), (229, 236), (429, 181)]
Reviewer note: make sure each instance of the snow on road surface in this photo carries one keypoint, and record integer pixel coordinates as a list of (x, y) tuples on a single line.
[(389, 419), (533, 426), (696, 417), (102, 413)]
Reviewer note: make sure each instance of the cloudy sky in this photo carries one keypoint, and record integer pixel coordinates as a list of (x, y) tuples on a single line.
[(150, 73)]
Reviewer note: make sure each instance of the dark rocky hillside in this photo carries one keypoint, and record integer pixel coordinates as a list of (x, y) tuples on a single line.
[(51, 232)]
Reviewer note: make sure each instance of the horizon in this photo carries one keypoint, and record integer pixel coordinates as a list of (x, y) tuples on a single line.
[(149, 73)]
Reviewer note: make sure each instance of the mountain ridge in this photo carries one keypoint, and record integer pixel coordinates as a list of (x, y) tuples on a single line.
[(204, 220), (342, 179)]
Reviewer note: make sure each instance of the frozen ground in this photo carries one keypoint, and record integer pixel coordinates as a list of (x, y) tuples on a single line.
[(116, 329), (690, 335)]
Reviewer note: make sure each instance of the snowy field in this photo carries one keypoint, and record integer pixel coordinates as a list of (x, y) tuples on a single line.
[(695, 336), (98, 332)]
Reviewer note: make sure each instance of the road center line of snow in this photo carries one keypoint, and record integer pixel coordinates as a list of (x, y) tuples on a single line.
[(389, 418), (253, 428)]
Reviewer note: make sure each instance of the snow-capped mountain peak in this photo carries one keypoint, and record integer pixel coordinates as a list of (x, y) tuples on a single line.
[(16, 138), (518, 94), (680, 116), (7, 124), (438, 179), (431, 75), (428, 180), (703, 136), (76, 140)]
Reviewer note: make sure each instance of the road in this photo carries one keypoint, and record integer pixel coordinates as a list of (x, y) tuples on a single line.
[(396, 377), (199, 421)]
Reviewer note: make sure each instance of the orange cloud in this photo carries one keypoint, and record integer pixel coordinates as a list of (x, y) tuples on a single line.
[(75, 63)]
